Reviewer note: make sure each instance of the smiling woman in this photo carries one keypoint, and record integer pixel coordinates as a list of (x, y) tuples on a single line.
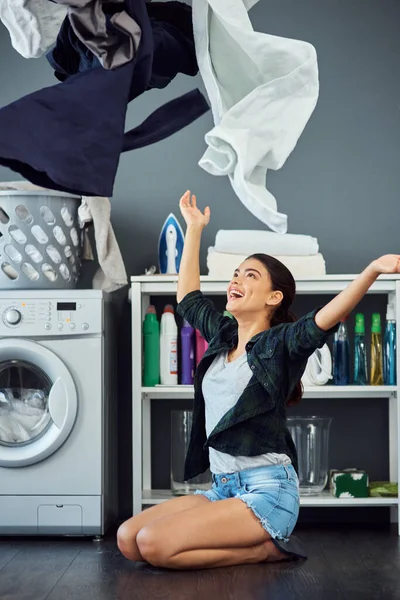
[(249, 374)]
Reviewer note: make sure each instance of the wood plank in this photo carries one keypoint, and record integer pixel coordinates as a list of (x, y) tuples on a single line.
[(34, 571), (364, 563), (99, 572), (7, 552)]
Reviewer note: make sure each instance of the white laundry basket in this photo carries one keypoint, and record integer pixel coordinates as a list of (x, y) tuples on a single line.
[(40, 239)]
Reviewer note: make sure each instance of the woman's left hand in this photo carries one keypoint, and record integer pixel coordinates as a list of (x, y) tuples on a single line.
[(389, 264)]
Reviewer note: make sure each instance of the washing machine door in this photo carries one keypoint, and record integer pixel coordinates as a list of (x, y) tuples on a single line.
[(38, 402)]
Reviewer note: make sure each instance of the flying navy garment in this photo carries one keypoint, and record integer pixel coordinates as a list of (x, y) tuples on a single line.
[(69, 136)]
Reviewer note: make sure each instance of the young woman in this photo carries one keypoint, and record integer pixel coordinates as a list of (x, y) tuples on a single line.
[(249, 374)]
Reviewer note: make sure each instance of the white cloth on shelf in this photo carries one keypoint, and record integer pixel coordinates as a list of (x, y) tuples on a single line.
[(263, 89), (112, 274), (319, 367), (241, 241), (33, 25), (222, 266)]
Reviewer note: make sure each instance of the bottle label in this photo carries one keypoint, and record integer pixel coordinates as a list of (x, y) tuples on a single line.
[(173, 358)]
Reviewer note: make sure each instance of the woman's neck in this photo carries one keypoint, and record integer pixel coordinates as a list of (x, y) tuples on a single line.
[(248, 328)]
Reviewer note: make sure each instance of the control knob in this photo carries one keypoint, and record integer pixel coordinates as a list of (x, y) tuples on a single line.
[(13, 316)]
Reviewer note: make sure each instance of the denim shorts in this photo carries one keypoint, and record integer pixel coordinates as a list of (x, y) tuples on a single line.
[(272, 493)]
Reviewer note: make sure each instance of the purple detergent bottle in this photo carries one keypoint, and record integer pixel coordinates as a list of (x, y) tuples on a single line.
[(187, 354), (201, 346)]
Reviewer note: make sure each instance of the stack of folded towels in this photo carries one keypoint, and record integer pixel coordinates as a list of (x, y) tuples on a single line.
[(300, 253)]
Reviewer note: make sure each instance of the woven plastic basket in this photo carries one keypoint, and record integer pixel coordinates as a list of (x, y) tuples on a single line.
[(40, 240)]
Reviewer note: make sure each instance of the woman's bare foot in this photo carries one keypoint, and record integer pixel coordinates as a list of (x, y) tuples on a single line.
[(272, 553)]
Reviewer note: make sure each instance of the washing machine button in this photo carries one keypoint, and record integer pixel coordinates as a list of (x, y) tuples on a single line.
[(60, 326), (85, 326), (47, 326), (72, 326)]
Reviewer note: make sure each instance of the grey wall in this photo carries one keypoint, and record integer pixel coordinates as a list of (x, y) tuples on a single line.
[(341, 184)]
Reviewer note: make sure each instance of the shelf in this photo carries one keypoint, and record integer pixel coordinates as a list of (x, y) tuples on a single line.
[(324, 499), (160, 285), (323, 391)]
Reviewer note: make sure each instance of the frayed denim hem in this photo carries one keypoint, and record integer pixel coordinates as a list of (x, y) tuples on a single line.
[(264, 522)]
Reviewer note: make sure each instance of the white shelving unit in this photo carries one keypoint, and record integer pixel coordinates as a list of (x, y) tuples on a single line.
[(144, 287)]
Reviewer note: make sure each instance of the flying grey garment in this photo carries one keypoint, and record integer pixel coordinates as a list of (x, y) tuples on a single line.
[(113, 46)]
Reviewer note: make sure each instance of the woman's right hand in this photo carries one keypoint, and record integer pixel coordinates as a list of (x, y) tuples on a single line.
[(192, 215)]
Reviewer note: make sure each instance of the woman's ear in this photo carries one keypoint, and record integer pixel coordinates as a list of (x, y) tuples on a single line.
[(274, 298)]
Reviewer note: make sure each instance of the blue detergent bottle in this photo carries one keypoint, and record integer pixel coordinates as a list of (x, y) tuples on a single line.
[(389, 344), (341, 356)]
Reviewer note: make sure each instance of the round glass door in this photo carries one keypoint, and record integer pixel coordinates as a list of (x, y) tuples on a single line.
[(38, 402), (24, 403)]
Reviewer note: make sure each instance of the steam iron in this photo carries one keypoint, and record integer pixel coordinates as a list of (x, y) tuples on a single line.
[(170, 246)]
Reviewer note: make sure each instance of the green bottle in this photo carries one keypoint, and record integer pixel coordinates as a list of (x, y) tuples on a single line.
[(151, 343), (376, 351)]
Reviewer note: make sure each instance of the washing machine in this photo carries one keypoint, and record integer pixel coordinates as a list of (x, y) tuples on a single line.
[(57, 413)]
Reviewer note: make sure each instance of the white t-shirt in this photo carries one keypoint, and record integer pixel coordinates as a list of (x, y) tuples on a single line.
[(222, 386)]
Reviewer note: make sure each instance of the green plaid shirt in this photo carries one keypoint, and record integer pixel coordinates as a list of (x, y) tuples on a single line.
[(277, 357)]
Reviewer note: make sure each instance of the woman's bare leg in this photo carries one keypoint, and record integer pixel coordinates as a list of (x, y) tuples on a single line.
[(213, 534), (127, 532)]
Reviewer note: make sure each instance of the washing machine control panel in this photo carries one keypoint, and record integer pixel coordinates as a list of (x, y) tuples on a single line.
[(36, 317)]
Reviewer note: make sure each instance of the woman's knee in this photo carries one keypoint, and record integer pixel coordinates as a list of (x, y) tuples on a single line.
[(126, 542), (151, 547)]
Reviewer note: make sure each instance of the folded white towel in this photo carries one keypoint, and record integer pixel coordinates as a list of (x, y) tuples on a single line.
[(222, 266), (112, 274), (241, 241), (33, 25), (262, 89)]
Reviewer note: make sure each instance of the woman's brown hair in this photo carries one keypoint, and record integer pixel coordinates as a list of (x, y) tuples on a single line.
[(282, 280)]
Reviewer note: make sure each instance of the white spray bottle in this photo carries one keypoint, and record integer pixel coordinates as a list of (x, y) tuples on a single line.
[(168, 348)]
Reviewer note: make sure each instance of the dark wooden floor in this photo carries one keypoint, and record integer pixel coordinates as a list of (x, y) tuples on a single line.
[(354, 564)]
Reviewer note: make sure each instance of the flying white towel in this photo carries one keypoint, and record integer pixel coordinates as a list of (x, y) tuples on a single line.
[(222, 266), (262, 89), (112, 274), (33, 25), (241, 241)]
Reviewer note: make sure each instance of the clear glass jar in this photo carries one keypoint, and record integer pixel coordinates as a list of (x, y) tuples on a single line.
[(181, 426), (311, 438)]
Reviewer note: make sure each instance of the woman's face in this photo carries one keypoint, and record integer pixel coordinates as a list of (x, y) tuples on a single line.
[(250, 290)]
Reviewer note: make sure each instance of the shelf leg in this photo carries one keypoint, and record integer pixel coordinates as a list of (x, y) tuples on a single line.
[(393, 450), (146, 432), (394, 419), (136, 398)]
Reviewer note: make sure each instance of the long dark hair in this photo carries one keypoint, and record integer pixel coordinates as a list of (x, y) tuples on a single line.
[(283, 281)]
